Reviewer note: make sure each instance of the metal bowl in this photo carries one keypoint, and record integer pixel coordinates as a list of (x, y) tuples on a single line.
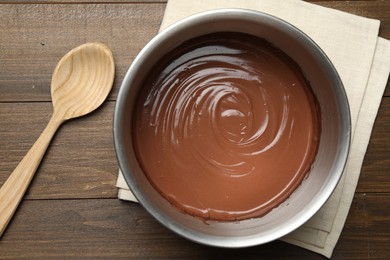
[(333, 147)]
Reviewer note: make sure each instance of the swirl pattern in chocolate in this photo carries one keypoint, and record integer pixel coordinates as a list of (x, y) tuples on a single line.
[(226, 127)]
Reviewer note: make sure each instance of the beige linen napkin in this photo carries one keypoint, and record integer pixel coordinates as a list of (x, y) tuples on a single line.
[(363, 62)]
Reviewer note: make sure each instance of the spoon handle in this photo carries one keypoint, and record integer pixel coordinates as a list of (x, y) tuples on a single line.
[(12, 191)]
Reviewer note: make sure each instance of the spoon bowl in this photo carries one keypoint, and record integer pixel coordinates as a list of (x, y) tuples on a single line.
[(81, 82)]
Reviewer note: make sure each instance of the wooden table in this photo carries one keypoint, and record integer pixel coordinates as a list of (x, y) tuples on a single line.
[(71, 209)]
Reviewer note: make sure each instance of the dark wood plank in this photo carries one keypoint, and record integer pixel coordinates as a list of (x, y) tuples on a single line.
[(80, 161), (387, 90), (112, 228), (366, 234), (375, 175), (34, 38)]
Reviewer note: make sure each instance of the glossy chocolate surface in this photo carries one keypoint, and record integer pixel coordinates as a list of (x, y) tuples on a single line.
[(226, 127)]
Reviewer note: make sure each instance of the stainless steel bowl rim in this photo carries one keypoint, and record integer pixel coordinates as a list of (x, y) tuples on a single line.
[(125, 89)]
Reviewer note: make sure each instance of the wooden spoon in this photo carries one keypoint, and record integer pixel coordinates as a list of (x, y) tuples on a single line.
[(81, 82)]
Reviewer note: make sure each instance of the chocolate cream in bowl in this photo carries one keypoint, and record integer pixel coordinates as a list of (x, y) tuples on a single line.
[(226, 127)]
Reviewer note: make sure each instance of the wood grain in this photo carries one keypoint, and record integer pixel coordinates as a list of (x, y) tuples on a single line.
[(375, 175), (35, 37), (111, 228), (13, 189), (80, 161), (32, 45)]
